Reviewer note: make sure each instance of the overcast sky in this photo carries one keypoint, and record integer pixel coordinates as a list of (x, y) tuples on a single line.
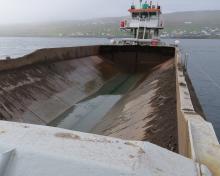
[(26, 11)]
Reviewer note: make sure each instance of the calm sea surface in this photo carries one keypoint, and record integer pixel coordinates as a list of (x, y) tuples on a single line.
[(203, 64), (19, 46), (204, 71)]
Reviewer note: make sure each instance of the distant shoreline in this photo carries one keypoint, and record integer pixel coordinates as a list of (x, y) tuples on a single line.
[(181, 25), (108, 37)]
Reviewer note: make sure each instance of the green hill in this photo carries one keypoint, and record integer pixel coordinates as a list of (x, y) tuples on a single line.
[(179, 24), (194, 22)]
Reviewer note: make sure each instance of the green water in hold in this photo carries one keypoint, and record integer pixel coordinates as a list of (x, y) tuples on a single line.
[(120, 84), (87, 113)]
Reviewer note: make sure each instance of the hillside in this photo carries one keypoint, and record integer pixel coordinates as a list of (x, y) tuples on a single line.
[(204, 24), (200, 24)]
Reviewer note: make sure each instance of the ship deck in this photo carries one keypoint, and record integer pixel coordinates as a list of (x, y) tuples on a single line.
[(131, 93), (120, 91)]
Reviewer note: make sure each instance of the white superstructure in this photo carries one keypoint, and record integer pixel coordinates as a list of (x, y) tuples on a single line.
[(145, 23)]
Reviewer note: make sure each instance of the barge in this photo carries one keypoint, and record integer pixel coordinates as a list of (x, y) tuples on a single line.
[(120, 109)]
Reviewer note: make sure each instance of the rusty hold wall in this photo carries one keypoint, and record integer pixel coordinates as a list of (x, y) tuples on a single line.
[(40, 86)]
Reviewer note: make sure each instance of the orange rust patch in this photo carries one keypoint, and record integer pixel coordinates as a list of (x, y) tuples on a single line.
[(67, 136)]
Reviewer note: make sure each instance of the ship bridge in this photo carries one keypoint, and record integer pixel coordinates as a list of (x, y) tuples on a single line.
[(146, 17), (145, 21)]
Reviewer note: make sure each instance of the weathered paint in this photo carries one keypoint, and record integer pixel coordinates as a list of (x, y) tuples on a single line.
[(147, 112), (41, 86), (49, 55), (64, 69), (39, 93), (29, 150), (136, 58)]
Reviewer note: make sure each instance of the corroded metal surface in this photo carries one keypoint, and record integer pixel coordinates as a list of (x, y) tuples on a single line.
[(136, 58), (53, 81), (41, 86), (49, 55), (39, 93), (148, 112)]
